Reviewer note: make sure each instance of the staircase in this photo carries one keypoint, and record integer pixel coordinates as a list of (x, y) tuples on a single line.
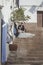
[(29, 51)]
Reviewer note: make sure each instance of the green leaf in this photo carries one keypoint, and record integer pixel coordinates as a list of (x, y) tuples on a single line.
[(18, 14)]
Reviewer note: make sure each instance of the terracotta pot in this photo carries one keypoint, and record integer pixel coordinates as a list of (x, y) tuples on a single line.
[(13, 47)]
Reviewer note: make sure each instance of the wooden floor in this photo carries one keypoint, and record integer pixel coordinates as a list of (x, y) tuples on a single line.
[(29, 51)]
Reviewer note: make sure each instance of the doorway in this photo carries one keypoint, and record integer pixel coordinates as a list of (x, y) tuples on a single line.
[(40, 18)]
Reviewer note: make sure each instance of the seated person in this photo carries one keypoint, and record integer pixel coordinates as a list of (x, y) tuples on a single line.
[(21, 27)]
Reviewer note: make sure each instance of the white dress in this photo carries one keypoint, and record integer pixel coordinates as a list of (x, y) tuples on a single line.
[(25, 35)]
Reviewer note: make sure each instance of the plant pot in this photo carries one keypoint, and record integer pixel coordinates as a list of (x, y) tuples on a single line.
[(13, 47)]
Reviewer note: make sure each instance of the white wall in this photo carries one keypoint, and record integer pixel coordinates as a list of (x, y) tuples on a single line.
[(33, 16), (6, 11), (30, 2), (31, 11), (27, 4), (7, 50)]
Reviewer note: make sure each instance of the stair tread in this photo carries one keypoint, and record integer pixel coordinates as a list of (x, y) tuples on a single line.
[(31, 61)]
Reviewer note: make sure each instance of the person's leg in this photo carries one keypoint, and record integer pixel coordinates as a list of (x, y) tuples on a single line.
[(17, 34)]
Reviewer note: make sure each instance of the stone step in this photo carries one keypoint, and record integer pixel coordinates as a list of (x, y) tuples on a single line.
[(29, 55), (17, 64), (31, 50), (36, 51), (24, 59), (25, 62), (35, 55), (30, 42), (29, 58), (40, 56)]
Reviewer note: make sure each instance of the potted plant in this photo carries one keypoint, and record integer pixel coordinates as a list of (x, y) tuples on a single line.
[(16, 16)]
